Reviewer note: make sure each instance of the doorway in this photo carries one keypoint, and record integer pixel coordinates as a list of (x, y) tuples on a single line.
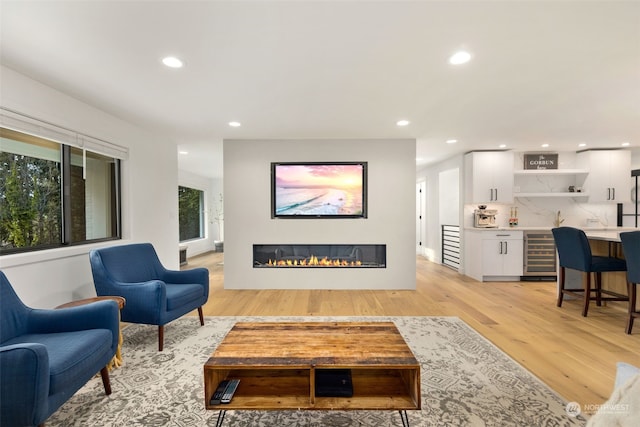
[(421, 229)]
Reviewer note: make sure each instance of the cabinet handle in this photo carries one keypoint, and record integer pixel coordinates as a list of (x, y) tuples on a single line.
[(500, 248), (613, 189), (496, 199), (506, 248)]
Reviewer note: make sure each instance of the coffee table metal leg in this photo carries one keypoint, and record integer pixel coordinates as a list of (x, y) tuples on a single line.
[(221, 415), (404, 417)]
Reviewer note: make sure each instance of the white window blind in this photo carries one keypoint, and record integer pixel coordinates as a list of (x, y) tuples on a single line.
[(29, 125)]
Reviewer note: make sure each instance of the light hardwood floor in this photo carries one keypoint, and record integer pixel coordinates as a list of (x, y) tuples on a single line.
[(575, 356)]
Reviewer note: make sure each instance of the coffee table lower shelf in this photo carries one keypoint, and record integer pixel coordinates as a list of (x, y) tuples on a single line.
[(293, 389)]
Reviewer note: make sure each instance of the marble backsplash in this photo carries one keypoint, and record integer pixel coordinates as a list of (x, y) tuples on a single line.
[(542, 212)]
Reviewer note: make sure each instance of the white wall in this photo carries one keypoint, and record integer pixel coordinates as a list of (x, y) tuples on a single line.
[(391, 210), (45, 279), (212, 189)]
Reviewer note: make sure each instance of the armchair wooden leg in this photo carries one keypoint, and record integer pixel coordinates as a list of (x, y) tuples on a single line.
[(632, 305), (104, 373), (201, 316), (561, 290), (160, 337)]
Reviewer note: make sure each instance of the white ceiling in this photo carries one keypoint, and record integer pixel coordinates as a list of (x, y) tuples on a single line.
[(556, 72)]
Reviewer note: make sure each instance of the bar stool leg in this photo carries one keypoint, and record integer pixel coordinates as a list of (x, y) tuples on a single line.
[(632, 305), (586, 278), (561, 290), (598, 288)]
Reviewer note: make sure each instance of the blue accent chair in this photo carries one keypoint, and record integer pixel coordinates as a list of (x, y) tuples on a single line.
[(154, 295), (574, 253), (48, 355), (631, 250)]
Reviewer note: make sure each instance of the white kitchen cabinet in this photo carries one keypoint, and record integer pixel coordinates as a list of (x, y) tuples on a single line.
[(609, 178), (494, 255), (489, 177)]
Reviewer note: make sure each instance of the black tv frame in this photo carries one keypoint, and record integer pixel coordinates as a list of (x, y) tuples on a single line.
[(364, 212)]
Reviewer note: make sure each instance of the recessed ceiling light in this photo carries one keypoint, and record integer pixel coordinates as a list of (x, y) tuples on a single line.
[(460, 57), (545, 145), (626, 144), (503, 145), (582, 144), (402, 122), (451, 141), (172, 61), (234, 124), (183, 152)]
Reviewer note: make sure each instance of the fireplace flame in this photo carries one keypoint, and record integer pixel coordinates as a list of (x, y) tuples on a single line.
[(314, 261)]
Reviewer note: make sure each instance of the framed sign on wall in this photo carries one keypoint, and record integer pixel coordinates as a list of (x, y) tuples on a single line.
[(541, 161)]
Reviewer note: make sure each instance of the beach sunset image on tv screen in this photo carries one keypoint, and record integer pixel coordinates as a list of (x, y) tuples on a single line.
[(319, 189)]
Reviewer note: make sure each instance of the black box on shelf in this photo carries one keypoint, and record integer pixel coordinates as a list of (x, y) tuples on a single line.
[(334, 383)]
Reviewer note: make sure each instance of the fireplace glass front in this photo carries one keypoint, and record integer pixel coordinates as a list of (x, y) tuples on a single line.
[(318, 256)]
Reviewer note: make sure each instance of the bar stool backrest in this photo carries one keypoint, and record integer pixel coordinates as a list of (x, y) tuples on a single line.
[(573, 247), (631, 248)]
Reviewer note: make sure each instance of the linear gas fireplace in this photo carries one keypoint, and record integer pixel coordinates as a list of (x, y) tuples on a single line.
[(319, 256)]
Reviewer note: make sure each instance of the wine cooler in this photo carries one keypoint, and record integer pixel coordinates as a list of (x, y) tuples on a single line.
[(539, 255)]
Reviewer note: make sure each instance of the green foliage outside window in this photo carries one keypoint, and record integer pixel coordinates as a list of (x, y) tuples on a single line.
[(190, 213), (30, 198)]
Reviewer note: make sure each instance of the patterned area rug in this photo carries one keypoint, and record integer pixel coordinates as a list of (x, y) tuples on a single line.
[(466, 381)]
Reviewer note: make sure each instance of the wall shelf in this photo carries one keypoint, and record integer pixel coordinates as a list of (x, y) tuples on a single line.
[(552, 183)]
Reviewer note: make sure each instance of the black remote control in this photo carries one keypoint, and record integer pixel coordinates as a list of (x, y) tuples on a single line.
[(217, 395), (228, 393)]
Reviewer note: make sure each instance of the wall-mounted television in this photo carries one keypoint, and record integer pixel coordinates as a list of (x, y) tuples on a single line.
[(319, 190)]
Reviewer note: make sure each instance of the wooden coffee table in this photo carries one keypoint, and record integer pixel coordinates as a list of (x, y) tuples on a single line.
[(276, 362)]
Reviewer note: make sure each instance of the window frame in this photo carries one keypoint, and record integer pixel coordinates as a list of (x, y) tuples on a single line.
[(65, 237)]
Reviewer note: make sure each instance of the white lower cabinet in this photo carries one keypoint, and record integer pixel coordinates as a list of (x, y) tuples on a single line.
[(494, 255)]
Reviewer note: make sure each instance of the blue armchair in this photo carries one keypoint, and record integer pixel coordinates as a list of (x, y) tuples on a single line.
[(154, 295), (48, 355)]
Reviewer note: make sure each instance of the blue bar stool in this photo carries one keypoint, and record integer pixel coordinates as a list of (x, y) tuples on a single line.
[(631, 249), (574, 253)]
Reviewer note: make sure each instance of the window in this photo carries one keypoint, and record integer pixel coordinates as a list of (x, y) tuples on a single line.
[(190, 213), (54, 194)]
